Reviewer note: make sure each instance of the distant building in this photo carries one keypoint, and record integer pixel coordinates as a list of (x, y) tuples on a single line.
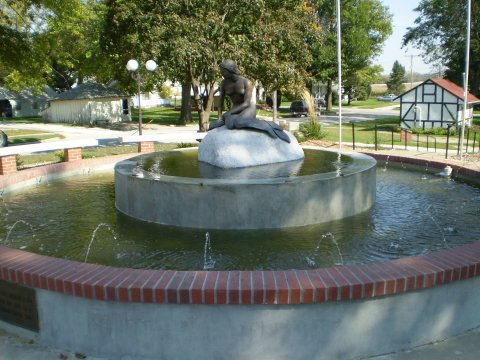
[(25, 103), (151, 99), (435, 103), (89, 103)]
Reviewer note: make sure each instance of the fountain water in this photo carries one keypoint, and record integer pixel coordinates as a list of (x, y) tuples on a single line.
[(440, 229), (386, 163), (94, 234), (424, 177), (311, 261), (208, 261), (13, 227), (3, 203)]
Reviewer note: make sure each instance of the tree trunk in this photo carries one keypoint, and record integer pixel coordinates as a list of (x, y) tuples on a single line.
[(328, 95), (475, 84), (275, 108), (203, 109), (186, 111)]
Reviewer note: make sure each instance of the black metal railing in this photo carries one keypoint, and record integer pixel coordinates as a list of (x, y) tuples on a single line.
[(389, 137)]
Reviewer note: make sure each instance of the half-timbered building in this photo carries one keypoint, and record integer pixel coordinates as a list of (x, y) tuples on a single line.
[(435, 103)]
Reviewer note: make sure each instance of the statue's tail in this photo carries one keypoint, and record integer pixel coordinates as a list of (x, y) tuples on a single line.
[(282, 135), (279, 131)]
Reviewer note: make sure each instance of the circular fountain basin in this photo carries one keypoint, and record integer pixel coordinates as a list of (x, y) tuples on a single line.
[(402, 303), (238, 199)]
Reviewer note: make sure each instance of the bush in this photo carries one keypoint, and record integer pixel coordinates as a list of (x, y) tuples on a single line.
[(186, 145), (60, 154), (19, 161), (434, 131), (312, 131)]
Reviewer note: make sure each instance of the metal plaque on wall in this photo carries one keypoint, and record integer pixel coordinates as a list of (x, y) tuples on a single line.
[(18, 305)]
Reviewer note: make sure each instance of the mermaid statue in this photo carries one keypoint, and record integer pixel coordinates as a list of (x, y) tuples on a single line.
[(242, 113)]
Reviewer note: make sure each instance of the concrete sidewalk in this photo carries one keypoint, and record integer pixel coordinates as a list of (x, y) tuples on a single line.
[(24, 347), (165, 133), (464, 347)]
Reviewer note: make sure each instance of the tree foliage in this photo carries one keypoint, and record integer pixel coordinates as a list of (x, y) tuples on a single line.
[(49, 42), (358, 84), (189, 38), (365, 25), (440, 33), (397, 78)]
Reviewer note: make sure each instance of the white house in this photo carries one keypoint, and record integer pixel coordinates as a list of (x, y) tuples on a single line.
[(435, 103), (89, 103), (151, 99), (24, 103)]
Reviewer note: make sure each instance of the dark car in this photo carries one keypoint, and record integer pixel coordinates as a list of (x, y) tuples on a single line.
[(320, 102), (299, 108)]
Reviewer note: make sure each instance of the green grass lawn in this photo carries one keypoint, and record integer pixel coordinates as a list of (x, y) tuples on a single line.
[(29, 120), (167, 115), (365, 131), (370, 104), (30, 160), (29, 136)]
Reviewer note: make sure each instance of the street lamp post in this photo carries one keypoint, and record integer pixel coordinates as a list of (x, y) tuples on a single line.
[(132, 66)]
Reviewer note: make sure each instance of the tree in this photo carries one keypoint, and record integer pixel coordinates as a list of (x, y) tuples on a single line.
[(358, 85), (440, 33), (365, 26), (50, 42), (190, 38), (397, 78)]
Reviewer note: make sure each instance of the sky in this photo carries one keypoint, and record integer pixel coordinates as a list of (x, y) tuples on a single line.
[(403, 17)]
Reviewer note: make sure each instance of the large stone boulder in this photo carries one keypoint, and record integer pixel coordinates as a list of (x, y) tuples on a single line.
[(234, 148)]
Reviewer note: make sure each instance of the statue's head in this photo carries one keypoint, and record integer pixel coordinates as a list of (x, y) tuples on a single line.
[(230, 66)]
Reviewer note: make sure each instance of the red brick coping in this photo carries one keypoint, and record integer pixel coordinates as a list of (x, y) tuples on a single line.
[(339, 283), (240, 287)]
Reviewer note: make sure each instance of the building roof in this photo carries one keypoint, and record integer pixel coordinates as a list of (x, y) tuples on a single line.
[(47, 93), (5, 94), (90, 91), (454, 89)]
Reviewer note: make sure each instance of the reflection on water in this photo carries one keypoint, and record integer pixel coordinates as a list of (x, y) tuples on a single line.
[(185, 164), (64, 214)]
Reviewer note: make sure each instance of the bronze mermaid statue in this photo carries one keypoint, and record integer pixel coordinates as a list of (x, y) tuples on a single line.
[(242, 113)]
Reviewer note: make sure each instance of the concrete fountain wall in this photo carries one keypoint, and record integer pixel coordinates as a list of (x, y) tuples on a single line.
[(342, 312), (246, 203)]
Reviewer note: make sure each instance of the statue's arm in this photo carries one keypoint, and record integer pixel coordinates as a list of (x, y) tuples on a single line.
[(222, 99), (247, 99)]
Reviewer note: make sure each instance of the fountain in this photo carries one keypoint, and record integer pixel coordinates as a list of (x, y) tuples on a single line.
[(229, 198), (345, 311), (117, 311), (227, 195)]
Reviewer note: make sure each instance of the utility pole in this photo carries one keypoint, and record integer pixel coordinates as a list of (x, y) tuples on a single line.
[(411, 68), (465, 76), (339, 64)]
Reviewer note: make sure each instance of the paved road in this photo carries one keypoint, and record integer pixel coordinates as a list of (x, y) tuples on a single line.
[(188, 133), (355, 115)]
